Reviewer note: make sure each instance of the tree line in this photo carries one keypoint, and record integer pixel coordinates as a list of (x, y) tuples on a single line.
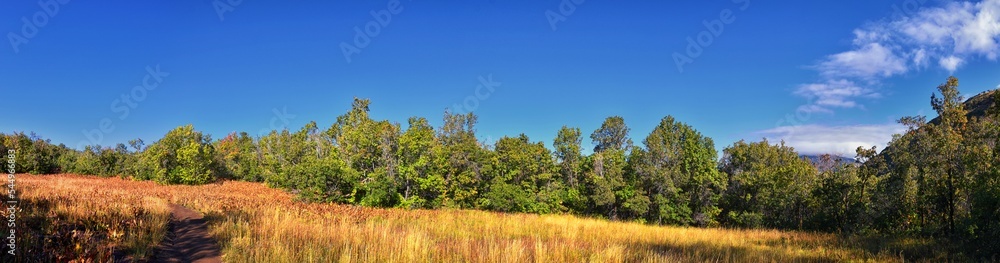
[(940, 178)]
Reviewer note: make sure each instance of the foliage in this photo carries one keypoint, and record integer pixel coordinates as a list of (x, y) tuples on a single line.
[(182, 156), (460, 161), (570, 161), (610, 190), (238, 157), (32, 154), (422, 186), (678, 168), (522, 177), (769, 185)]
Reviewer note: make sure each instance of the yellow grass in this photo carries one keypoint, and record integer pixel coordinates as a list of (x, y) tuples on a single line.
[(254, 223), (84, 221)]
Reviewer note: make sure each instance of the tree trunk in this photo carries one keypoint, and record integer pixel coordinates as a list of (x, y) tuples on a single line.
[(951, 205)]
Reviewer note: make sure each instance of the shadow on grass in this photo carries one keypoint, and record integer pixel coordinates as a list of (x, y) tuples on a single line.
[(709, 252), (42, 235), (908, 248), (31, 219)]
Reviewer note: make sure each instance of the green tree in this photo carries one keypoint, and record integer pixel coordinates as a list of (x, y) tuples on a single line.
[(522, 178), (381, 185), (613, 134), (88, 161), (238, 157), (369, 148), (307, 163), (679, 169), (67, 159), (929, 162), (183, 156), (983, 157), (421, 184), (32, 154), (278, 154), (769, 185), (947, 138), (612, 189), (898, 201), (567, 145), (460, 160), (837, 195), (567, 152)]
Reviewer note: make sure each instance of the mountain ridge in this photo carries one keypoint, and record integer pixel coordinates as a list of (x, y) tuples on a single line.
[(975, 105)]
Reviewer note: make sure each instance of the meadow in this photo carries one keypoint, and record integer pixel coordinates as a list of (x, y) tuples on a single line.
[(121, 218), (61, 219)]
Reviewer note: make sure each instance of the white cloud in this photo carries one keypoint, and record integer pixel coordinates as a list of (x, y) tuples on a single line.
[(870, 61), (959, 29), (979, 36), (810, 108), (837, 140), (920, 58), (931, 26), (832, 94), (951, 35), (951, 63)]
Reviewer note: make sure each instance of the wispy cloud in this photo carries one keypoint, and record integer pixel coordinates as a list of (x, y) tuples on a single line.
[(837, 93), (870, 61), (837, 140), (945, 37)]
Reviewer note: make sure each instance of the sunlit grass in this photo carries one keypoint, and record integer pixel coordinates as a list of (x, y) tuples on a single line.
[(254, 223), (84, 221)]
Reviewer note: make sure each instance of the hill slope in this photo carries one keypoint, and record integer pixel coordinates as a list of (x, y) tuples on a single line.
[(977, 105)]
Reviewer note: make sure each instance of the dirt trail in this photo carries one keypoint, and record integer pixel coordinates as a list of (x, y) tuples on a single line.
[(187, 239)]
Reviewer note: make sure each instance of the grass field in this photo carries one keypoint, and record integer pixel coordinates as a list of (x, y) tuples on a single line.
[(97, 218), (68, 218)]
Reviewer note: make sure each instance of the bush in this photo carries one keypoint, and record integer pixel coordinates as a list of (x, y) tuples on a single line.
[(324, 180), (183, 156)]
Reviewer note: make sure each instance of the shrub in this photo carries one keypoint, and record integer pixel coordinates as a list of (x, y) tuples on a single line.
[(183, 156)]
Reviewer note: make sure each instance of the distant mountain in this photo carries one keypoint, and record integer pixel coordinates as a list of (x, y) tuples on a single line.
[(816, 159)]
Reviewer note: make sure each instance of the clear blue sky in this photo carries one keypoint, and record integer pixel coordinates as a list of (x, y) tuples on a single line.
[(848, 68)]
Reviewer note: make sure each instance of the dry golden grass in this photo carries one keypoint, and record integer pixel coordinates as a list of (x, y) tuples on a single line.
[(84, 221), (254, 223)]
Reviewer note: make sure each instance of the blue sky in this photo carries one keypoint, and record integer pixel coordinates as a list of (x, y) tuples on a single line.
[(826, 76)]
